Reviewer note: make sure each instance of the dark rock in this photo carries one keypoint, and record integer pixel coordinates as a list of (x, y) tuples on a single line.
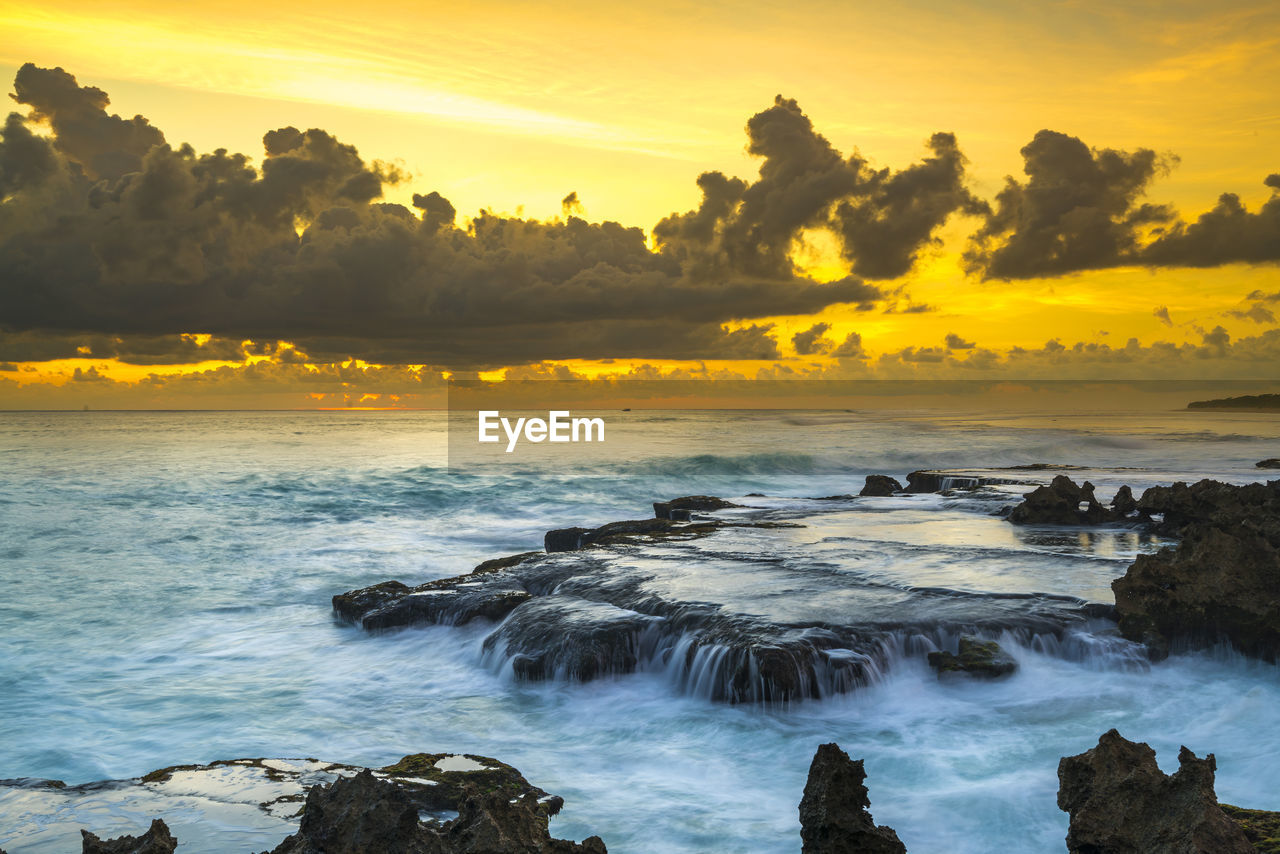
[(571, 638), (1261, 827), (679, 515), (1123, 503), (701, 503), (943, 480), (1120, 802), (354, 604), (157, 840), (1272, 463), (1219, 583), (834, 812), (497, 563), (661, 510), (362, 814), (564, 539), (1210, 502), (977, 658), (880, 484), (1061, 503)]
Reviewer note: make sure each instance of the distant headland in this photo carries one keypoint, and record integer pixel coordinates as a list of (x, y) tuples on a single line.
[(1248, 401)]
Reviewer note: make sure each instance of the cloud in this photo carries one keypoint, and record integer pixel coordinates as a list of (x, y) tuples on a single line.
[(103, 145), (812, 340), (955, 342), (1225, 235), (893, 215), (109, 231), (850, 348), (1162, 313), (1078, 210), (883, 218)]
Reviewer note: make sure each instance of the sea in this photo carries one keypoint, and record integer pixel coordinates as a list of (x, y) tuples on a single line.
[(166, 583)]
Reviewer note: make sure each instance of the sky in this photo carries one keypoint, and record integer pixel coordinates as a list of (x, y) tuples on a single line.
[(234, 205)]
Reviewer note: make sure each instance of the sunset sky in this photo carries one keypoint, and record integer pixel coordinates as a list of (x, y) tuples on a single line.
[(993, 191)]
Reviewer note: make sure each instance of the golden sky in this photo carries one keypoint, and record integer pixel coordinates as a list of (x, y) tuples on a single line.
[(509, 107)]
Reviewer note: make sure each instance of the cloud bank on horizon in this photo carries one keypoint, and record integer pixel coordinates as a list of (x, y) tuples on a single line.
[(114, 243)]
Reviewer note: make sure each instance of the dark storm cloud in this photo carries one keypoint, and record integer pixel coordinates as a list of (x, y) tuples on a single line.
[(176, 349), (893, 215), (955, 342), (1227, 234), (1079, 209), (106, 230), (104, 145), (812, 340), (1082, 209), (883, 218)]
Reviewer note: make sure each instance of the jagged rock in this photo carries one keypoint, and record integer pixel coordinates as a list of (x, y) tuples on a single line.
[(880, 484), (1272, 463), (1123, 503), (834, 812), (1261, 827), (977, 658), (1220, 581), (355, 815), (1120, 802), (928, 480), (701, 503), (1060, 503), (1210, 502), (564, 539), (157, 840)]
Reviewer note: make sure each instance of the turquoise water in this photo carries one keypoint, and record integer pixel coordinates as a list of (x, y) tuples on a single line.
[(166, 580)]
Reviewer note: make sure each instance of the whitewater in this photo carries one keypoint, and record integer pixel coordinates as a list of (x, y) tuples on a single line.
[(167, 580)]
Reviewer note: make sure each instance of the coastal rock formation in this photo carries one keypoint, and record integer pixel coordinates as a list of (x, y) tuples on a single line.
[(834, 812), (1271, 463), (439, 803), (157, 840), (1120, 802), (1220, 582), (881, 485), (1062, 502), (976, 658), (364, 813), (679, 508), (677, 606), (941, 480)]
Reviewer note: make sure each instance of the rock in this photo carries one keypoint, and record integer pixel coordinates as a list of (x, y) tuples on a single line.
[(1062, 503), (1261, 827), (355, 815), (928, 480), (1120, 802), (1210, 502), (157, 840), (834, 814), (880, 484), (354, 604), (1123, 503), (701, 503), (977, 658), (1219, 582), (564, 539), (1272, 463)]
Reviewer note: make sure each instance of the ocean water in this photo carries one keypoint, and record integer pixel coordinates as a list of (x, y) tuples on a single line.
[(165, 584)]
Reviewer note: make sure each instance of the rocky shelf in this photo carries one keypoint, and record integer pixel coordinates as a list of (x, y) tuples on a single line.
[(668, 595)]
